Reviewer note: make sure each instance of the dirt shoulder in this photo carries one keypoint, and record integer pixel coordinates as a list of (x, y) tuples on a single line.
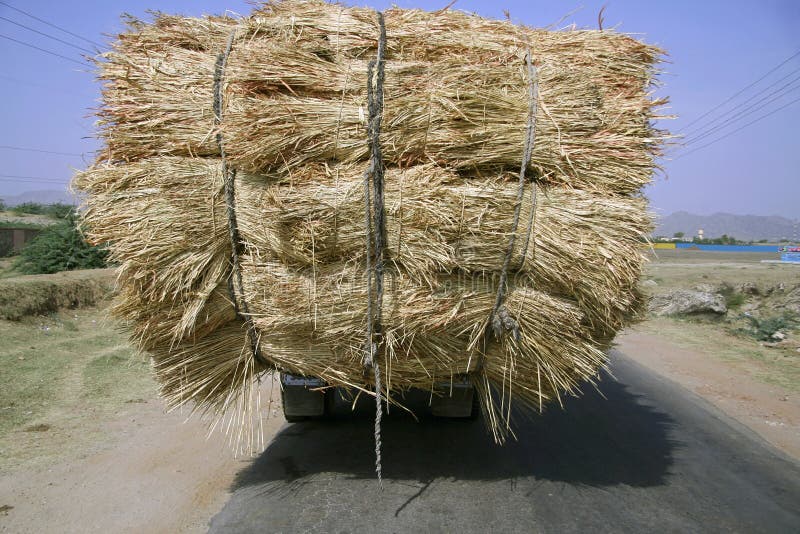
[(755, 385), (724, 359), (85, 443), (145, 470), (151, 472)]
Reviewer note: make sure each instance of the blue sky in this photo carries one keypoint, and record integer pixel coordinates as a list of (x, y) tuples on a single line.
[(716, 48)]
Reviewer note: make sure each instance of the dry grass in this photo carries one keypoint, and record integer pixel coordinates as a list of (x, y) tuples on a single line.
[(584, 247), (65, 377), (40, 294), (453, 134)]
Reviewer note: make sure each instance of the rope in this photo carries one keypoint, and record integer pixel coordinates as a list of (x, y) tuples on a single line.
[(531, 225), (237, 245), (376, 226), (501, 320)]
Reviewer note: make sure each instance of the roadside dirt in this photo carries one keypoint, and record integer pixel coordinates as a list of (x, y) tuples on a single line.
[(741, 389), (26, 218), (756, 384), (154, 472)]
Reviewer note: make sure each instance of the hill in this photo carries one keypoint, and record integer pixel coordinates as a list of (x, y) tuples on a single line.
[(743, 227), (47, 196)]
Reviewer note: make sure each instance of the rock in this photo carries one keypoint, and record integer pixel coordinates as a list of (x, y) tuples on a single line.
[(792, 300), (649, 283), (778, 336), (771, 290), (686, 302), (705, 288), (749, 288)]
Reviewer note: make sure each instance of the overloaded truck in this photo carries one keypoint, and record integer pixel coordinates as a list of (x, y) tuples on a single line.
[(374, 202)]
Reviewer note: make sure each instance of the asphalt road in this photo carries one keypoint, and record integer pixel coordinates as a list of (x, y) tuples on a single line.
[(649, 457)]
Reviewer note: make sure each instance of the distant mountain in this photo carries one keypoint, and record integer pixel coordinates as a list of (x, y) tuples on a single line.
[(742, 227), (48, 196)]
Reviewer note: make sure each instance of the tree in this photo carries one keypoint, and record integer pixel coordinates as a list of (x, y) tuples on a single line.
[(3, 206), (678, 235)]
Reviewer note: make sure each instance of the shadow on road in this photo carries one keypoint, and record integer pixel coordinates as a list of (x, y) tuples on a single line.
[(593, 441)]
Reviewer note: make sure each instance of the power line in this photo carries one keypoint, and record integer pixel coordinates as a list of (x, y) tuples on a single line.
[(708, 124), (47, 35), (43, 50), (732, 120), (34, 17), (781, 64), (42, 151), (774, 111)]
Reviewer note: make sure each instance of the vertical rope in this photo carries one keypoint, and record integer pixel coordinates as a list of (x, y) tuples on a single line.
[(531, 225), (500, 319), (237, 246), (375, 226), (375, 103)]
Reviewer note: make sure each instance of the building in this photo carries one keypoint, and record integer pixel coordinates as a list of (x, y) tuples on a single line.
[(13, 239)]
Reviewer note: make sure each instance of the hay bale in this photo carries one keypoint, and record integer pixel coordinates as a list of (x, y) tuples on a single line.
[(584, 246), (453, 130), (456, 93)]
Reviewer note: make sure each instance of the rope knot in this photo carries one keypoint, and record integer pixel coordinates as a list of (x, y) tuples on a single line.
[(502, 321)]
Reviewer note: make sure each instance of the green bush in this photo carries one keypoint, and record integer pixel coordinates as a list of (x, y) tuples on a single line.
[(59, 210), (763, 329), (30, 208), (60, 247), (735, 300)]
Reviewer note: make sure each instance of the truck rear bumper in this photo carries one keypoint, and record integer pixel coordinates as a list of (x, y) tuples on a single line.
[(304, 397)]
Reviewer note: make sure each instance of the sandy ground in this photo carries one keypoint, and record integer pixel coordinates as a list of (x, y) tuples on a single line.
[(156, 473), (770, 410), (26, 218)]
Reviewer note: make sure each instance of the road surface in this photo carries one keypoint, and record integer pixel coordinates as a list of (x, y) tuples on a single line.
[(650, 456)]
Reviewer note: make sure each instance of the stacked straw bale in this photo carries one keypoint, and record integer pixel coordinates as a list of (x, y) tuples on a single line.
[(453, 130)]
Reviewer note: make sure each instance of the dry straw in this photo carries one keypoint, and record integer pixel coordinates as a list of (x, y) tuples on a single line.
[(456, 105)]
